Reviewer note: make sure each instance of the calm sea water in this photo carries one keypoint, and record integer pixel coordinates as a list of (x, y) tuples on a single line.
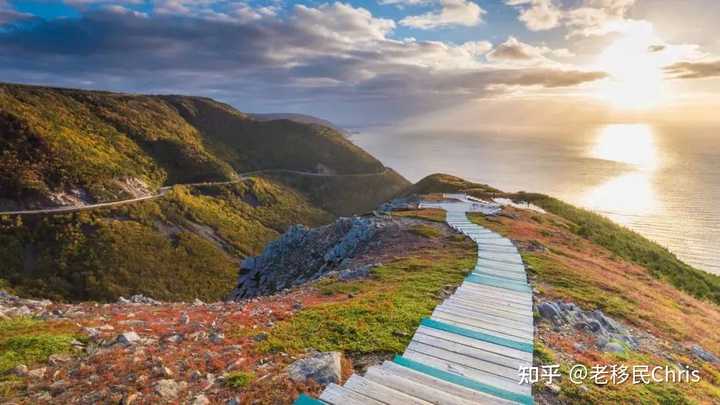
[(662, 182)]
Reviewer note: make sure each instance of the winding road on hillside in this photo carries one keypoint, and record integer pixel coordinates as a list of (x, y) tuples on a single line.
[(164, 190), (473, 346)]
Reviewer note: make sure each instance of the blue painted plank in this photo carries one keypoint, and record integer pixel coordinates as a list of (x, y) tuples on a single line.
[(497, 283), (463, 381), (435, 324), (306, 400)]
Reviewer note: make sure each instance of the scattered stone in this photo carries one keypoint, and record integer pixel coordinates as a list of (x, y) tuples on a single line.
[(554, 388), (169, 389), (57, 359), (198, 302), (176, 338), (21, 370), (614, 347), (356, 273), (37, 373), (200, 400), (138, 299), (217, 337), (162, 371), (128, 339), (184, 319), (609, 334), (260, 337), (129, 399), (703, 354), (324, 368)]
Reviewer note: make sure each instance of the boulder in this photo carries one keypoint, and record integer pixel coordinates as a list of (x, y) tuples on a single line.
[(609, 334), (128, 339), (323, 368), (169, 389), (703, 354), (301, 255)]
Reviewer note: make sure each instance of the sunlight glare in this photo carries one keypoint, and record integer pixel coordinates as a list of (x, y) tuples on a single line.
[(636, 78), (626, 143)]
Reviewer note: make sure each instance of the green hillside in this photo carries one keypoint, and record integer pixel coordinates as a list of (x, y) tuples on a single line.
[(108, 146), (69, 147), (185, 245)]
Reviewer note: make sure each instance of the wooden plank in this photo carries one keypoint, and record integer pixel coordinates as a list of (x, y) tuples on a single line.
[(470, 358), (521, 297), (380, 392), (484, 327), (457, 344), (431, 389), (472, 303), (469, 372), (502, 281), (464, 381), (477, 316), (510, 275), (490, 299), (337, 395), (509, 258), (494, 282), (498, 312), (500, 265), (519, 357), (470, 295)]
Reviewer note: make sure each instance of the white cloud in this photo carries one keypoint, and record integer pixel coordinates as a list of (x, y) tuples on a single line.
[(538, 15), (518, 52), (453, 12)]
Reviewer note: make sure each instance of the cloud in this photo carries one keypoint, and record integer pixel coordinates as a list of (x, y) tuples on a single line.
[(694, 70), (453, 12), (333, 59), (515, 51), (538, 15)]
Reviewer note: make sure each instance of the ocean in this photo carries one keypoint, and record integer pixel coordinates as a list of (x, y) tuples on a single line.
[(663, 182)]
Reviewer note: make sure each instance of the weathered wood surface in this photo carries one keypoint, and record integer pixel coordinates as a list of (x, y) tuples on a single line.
[(471, 349)]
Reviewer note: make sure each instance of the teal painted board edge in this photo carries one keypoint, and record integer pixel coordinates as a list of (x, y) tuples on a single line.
[(459, 330), (306, 400), (496, 283), (463, 381)]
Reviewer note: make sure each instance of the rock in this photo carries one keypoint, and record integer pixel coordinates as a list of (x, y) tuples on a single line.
[(614, 347), (596, 323), (703, 354), (57, 359), (260, 337), (138, 299), (92, 333), (197, 302), (37, 373), (303, 254), (129, 399), (356, 273), (169, 389), (324, 368), (554, 388), (21, 370), (58, 387), (128, 339), (200, 400), (162, 371), (176, 338), (184, 319), (217, 337)]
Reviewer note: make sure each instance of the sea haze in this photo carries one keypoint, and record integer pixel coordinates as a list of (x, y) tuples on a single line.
[(663, 182)]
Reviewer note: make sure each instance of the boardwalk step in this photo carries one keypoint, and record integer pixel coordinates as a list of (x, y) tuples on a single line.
[(380, 392), (337, 395)]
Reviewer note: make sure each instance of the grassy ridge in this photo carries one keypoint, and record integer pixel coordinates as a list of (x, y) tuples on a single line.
[(619, 240), (60, 140), (186, 245), (632, 247)]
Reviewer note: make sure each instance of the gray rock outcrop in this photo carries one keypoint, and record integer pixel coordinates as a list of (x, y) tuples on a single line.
[(610, 335), (302, 255), (323, 368)]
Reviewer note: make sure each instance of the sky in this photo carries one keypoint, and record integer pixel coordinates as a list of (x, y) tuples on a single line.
[(374, 62)]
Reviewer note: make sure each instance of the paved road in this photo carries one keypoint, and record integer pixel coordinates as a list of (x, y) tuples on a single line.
[(164, 190)]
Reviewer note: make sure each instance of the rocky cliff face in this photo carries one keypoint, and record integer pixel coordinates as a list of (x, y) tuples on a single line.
[(303, 254)]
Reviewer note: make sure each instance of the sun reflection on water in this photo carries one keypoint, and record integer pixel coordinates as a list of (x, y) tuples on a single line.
[(632, 193)]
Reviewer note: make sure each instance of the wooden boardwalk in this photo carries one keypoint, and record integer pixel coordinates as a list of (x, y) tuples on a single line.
[(471, 349)]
